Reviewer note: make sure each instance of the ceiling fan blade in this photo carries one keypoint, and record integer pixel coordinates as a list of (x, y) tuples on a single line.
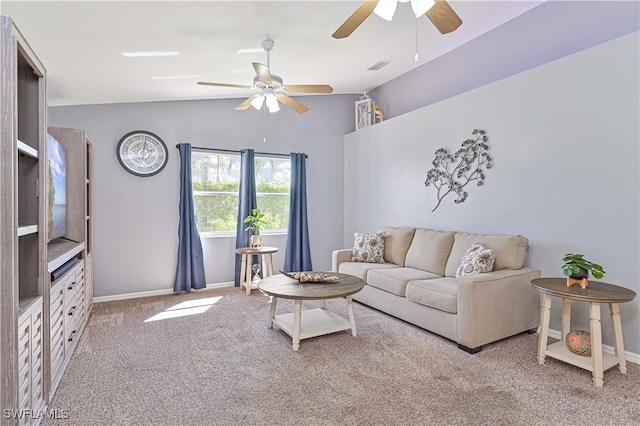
[(443, 17), (292, 103), (309, 88), (264, 75), (246, 104), (237, 86), (357, 18)]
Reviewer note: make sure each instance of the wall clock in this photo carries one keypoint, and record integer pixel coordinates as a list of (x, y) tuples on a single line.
[(142, 153)]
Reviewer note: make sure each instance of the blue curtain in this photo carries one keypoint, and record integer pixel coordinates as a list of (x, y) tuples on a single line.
[(298, 253), (248, 202), (190, 269)]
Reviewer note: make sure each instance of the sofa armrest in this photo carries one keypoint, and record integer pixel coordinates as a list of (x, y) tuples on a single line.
[(339, 256), (496, 305)]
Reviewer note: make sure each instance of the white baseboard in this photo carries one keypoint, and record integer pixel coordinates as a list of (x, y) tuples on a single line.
[(629, 356), (125, 296)]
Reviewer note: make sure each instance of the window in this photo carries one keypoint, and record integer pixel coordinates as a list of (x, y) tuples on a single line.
[(216, 186)]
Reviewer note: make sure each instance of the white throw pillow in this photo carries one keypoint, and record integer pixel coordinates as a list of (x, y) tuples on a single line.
[(477, 260), (368, 247)]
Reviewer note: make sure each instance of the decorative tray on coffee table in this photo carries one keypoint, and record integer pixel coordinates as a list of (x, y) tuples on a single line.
[(312, 277)]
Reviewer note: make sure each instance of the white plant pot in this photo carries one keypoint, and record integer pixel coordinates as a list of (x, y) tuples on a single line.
[(256, 241)]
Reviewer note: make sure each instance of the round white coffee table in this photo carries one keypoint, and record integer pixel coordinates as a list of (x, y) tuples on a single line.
[(313, 322)]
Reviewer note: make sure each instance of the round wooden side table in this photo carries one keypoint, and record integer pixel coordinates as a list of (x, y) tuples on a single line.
[(595, 294), (246, 266)]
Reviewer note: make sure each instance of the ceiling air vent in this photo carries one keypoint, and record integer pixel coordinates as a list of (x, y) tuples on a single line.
[(379, 64)]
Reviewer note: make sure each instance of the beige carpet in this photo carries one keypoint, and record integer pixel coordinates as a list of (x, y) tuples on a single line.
[(223, 366)]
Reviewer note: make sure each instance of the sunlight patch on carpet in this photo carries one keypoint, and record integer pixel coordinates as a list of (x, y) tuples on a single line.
[(186, 308)]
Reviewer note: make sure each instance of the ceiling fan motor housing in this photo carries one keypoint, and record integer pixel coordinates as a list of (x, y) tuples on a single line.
[(276, 83), (267, 45)]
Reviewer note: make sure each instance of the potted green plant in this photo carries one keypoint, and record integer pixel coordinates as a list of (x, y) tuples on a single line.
[(256, 221), (577, 269)]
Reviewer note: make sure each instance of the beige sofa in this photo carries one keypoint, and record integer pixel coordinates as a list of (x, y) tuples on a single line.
[(417, 284)]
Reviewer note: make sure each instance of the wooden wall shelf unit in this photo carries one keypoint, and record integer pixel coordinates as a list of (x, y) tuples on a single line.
[(40, 320), (24, 295)]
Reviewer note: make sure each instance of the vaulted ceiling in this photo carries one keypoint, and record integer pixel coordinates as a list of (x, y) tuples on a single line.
[(81, 44)]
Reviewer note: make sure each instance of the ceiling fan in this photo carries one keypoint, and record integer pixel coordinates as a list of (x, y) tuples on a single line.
[(271, 89), (438, 11)]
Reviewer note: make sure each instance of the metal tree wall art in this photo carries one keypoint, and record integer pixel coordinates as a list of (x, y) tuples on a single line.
[(452, 173)]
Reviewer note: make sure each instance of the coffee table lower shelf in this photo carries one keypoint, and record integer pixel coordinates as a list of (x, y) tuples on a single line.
[(313, 323), (559, 350)]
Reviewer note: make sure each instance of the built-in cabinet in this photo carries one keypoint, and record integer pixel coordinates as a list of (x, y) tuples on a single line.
[(24, 295), (46, 287), (68, 318), (30, 359), (71, 292)]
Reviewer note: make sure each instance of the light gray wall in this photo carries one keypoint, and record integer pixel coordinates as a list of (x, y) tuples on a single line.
[(518, 45), (136, 219), (565, 137)]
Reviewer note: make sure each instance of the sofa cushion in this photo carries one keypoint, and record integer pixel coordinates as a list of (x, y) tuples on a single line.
[(368, 247), (429, 250), (511, 250), (395, 280), (439, 293), (476, 260), (396, 243), (358, 269)]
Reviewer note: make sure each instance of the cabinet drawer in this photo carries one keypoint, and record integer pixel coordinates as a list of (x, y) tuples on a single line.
[(69, 291), (69, 328), (79, 269), (70, 341)]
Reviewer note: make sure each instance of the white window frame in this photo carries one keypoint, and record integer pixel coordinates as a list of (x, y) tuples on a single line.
[(227, 234)]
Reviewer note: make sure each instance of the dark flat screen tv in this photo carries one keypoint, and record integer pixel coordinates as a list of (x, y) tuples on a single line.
[(57, 196)]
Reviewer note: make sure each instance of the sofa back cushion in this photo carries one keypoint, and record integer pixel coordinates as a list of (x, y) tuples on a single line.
[(511, 250), (429, 250), (396, 243)]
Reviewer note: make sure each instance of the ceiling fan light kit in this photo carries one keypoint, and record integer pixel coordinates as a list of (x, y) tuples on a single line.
[(271, 88), (257, 102), (439, 13), (272, 103), (387, 8)]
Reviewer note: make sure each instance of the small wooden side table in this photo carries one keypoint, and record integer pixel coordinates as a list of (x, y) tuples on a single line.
[(246, 266), (595, 294)]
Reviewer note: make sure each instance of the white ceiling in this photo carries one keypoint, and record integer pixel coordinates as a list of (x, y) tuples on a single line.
[(80, 44)]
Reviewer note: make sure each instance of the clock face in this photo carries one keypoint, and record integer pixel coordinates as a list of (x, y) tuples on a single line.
[(142, 153)]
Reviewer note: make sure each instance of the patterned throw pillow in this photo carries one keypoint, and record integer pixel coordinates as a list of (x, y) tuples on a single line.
[(477, 260), (368, 247)]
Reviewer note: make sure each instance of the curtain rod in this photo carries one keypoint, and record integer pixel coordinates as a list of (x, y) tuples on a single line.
[(240, 151)]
